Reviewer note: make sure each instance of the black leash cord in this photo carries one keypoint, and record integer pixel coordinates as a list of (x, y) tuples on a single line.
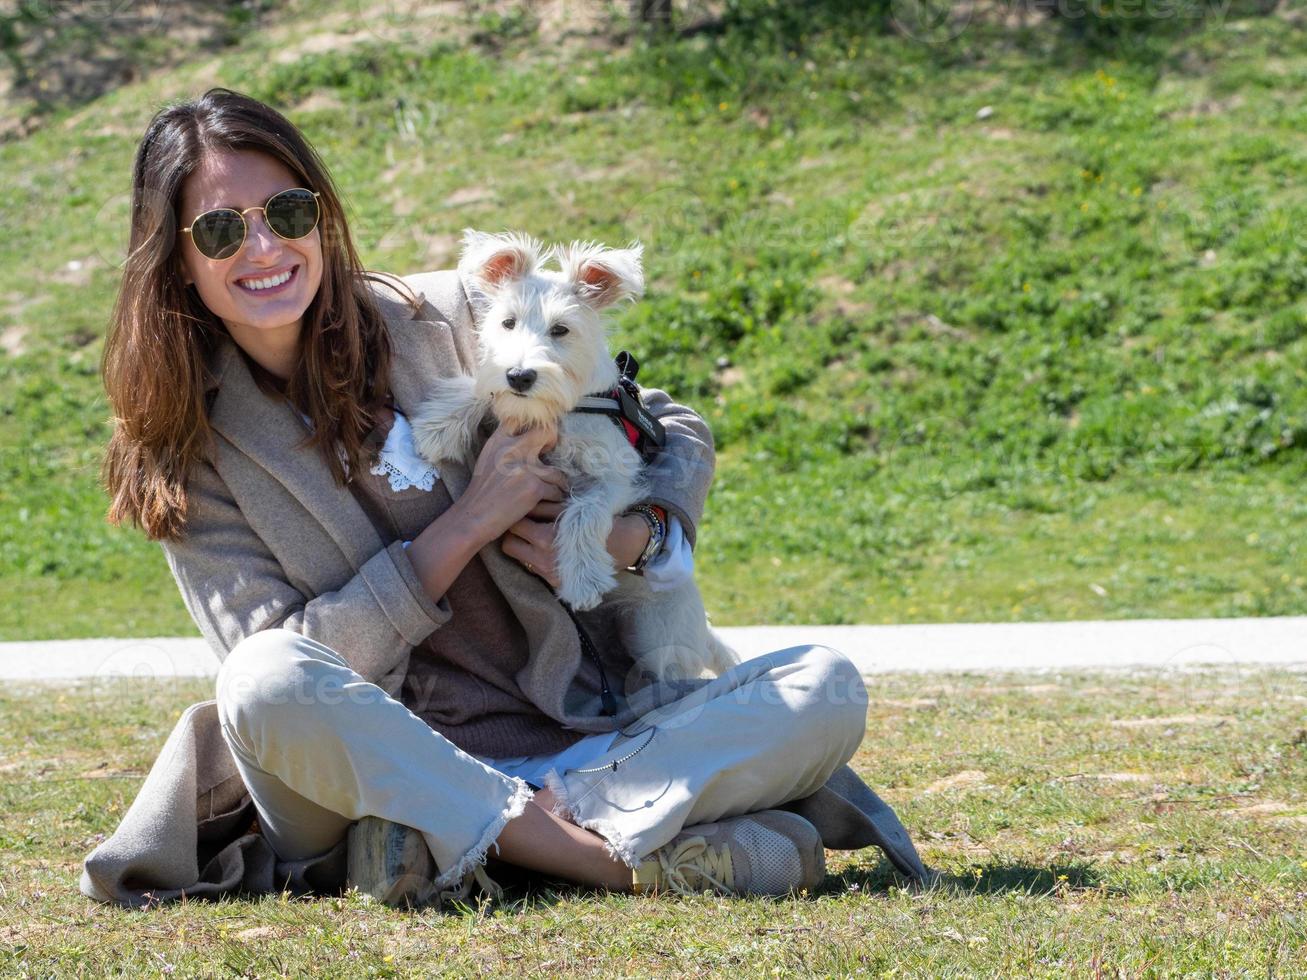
[(610, 703), (605, 692)]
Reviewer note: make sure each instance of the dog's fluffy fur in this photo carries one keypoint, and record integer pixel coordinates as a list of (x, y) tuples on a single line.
[(543, 346)]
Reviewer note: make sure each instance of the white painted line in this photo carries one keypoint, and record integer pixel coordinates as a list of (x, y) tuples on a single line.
[(943, 648), (957, 647), (66, 659)]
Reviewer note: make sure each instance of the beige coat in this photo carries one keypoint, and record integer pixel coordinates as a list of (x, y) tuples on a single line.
[(274, 541)]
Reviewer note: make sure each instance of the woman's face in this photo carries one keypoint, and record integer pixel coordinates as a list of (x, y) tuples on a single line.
[(267, 319)]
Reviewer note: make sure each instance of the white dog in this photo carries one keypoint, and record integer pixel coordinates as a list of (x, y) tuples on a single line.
[(543, 348)]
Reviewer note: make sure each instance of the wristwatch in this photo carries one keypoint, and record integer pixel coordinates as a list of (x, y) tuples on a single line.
[(657, 534)]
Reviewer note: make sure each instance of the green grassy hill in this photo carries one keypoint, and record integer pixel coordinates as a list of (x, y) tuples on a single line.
[(1007, 326)]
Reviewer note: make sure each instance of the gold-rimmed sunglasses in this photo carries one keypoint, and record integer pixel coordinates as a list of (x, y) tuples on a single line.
[(291, 214)]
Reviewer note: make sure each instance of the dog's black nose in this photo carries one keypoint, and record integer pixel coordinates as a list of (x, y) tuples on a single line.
[(520, 379)]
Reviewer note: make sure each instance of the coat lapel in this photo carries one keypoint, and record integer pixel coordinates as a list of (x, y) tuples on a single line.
[(267, 430)]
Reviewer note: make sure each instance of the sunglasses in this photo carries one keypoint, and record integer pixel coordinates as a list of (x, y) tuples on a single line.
[(291, 214)]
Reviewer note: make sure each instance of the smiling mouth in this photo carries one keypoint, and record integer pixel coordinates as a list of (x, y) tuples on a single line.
[(292, 278)]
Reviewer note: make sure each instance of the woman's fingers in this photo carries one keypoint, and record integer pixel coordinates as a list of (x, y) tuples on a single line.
[(532, 441), (539, 534), (528, 552), (501, 440), (509, 480), (556, 480), (525, 448), (546, 510), (540, 439)]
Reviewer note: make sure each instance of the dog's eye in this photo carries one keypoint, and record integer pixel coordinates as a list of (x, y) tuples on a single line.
[(558, 330), (509, 323)]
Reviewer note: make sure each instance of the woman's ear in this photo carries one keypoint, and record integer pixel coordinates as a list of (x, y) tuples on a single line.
[(603, 276), (492, 260)]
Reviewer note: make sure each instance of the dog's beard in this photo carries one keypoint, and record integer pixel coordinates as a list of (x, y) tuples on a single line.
[(550, 397)]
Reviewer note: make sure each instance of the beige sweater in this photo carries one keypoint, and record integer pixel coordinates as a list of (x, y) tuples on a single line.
[(462, 679)]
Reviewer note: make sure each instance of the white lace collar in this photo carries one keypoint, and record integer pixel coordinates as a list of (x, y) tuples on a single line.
[(398, 459)]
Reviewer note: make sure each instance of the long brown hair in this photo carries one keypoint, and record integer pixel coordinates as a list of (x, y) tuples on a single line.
[(161, 334)]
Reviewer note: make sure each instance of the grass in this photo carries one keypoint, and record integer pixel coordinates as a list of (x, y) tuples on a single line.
[(1112, 824), (956, 367), (1044, 364)]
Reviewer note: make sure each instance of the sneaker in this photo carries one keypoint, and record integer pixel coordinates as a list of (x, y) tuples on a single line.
[(772, 852), (391, 863)]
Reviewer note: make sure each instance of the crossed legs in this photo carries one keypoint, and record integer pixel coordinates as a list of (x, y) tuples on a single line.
[(319, 748)]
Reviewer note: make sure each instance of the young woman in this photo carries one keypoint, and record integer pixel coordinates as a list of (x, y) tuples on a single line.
[(398, 679)]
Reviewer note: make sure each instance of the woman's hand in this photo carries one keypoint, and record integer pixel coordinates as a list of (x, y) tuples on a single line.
[(531, 540), (509, 481)]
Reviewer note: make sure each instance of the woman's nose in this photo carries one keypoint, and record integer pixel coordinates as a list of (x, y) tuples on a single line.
[(259, 237)]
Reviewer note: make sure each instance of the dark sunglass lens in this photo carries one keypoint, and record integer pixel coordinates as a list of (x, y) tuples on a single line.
[(293, 213), (219, 234)]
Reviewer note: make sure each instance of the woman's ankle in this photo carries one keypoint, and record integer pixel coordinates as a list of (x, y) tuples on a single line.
[(539, 840)]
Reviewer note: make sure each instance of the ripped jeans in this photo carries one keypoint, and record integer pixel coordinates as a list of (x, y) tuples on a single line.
[(319, 748)]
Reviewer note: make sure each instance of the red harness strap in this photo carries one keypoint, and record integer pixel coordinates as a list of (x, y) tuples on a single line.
[(632, 433)]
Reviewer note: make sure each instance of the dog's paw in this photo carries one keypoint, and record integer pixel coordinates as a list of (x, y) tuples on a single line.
[(436, 444), (584, 588), (444, 425)]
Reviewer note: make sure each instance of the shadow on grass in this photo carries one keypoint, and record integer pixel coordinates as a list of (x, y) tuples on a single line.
[(66, 53), (993, 878), (526, 891), (1063, 38)]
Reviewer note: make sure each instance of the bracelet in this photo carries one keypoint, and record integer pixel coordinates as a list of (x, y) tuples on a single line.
[(657, 534)]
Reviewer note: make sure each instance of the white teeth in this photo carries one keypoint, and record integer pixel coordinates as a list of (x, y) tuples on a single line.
[(254, 284)]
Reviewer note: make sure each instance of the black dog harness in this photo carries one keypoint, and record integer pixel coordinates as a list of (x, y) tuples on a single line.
[(622, 405)]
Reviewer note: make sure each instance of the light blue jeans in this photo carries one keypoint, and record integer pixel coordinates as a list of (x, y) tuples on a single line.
[(319, 747)]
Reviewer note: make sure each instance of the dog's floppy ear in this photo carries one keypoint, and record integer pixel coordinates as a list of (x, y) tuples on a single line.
[(603, 276), (491, 260)]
